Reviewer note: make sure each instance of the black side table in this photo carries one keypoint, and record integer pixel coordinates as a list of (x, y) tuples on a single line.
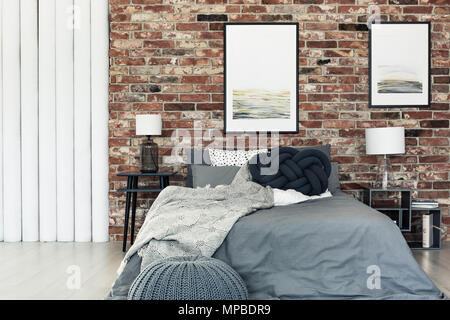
[(402, 214), (132, 189)]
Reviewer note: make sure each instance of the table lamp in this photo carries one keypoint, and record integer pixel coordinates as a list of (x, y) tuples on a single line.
[(385, 141), (149, 125)]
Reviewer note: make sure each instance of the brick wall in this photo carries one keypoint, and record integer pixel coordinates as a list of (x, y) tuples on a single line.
[(167, 57)]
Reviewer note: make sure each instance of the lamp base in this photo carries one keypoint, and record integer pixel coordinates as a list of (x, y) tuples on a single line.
[(384, 174), (384, 183), (149, 157)]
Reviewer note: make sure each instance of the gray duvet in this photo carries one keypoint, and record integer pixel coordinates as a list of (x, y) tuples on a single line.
[(332, 248)]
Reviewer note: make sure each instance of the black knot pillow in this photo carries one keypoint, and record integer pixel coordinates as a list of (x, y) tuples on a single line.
[(306, 171)]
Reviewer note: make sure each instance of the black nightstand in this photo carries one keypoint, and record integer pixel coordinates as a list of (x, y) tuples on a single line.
[(401, 211), (397, 208), (132, 189), (436, 233)]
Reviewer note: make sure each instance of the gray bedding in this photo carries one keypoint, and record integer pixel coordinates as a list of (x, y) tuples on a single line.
[(330, 248)]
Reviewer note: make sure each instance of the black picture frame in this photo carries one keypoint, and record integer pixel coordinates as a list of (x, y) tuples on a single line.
[(428, 94), (296, 24)]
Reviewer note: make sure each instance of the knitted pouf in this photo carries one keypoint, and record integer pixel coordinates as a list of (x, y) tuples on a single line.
[(188, 278)]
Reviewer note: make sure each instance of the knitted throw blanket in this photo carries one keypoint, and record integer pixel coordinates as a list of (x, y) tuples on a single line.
[(185, 221)]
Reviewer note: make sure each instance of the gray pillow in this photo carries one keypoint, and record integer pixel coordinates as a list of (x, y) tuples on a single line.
[(197, 156), (333, 179), (203, 175)]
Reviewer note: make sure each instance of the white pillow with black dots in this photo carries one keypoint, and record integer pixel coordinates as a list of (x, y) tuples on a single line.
[(220, 158)]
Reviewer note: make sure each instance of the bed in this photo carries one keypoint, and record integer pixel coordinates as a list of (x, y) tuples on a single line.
[(329, 248)]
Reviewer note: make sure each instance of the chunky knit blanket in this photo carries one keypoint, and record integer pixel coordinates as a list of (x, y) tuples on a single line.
[(185, 221)]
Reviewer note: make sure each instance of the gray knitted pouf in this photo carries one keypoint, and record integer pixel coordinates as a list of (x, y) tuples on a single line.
[(188, 278)]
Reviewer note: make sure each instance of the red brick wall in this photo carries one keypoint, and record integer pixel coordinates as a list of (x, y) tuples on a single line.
[(167, 57)]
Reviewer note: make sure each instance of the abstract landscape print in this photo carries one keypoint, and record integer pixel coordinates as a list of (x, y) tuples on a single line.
[(261, 104), (399, 60), (261, 77), (398, 79)]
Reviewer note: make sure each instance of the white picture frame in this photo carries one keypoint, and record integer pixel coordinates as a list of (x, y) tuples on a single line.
[(399, 64), (261, 77)]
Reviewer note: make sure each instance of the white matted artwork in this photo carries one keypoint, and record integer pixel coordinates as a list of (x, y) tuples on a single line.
[(261, 77), (400, 64)]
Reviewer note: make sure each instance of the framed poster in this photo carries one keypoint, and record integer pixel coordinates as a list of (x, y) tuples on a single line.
[(399, 64), (261, 77)]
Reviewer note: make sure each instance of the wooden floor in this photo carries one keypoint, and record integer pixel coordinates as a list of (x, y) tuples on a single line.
[(33, 270), (436, 264), (47, 270)]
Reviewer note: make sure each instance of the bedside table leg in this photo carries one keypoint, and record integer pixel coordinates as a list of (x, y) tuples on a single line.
[(163, 182), (133, 209), (166, 181), (127, 214)]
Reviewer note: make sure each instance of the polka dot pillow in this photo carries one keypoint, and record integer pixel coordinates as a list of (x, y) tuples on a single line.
[(221, 158)]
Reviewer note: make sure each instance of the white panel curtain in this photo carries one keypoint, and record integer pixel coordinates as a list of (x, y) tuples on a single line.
[(54, 120)]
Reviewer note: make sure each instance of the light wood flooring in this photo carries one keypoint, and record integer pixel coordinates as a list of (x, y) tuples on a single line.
[(36, 270), (436, 264), (33, 270)]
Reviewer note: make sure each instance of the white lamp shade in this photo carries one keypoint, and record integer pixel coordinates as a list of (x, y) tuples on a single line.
[(385, 140), (148, 125)]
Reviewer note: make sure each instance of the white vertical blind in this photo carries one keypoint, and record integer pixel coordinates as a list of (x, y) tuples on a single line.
[(29, 115), (82, 117), (1, 121), (47, 121), (54, 120), (64, 121), (100, 115), (12, 193)]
